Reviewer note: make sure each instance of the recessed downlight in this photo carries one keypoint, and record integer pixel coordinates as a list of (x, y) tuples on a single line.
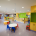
[(27, 10), (0, 6), (22, 7), (20, 11), (12, 9), (8, 0)]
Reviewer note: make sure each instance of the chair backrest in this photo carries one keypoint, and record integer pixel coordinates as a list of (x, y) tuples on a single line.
[(7, 26), (13, 27), (17, 24), (8, 22)]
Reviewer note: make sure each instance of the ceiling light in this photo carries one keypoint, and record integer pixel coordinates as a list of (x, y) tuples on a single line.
[(20, 11), (12, 9), (8, 0), (27, 10), (0, 6), (22, 7)]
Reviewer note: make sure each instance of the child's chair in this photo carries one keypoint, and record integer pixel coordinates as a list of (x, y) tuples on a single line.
[(13, 28), (8, 27), (8, 22), (28, 27), (17, 26)]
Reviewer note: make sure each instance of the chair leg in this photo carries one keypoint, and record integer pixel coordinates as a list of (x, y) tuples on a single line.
[(9, 28), (6, 28), (18, 26), (14, 30)]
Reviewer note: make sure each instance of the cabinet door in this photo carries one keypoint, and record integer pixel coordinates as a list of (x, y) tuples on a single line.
[(34, 26), (31, 26)]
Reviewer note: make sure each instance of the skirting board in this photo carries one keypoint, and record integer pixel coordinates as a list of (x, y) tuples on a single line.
[(19, 22), (33, 31)]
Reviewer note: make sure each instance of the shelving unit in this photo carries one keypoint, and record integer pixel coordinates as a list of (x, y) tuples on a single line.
[(8, 16)]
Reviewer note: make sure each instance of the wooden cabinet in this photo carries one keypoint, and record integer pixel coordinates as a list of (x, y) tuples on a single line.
[(33, 22), (33, 26), (26, 19), (33, 8)]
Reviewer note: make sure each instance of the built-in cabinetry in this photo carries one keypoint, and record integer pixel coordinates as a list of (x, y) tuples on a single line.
[(33, 22), (33, 26)]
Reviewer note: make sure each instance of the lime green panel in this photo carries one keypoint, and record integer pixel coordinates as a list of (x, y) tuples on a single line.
[(22, 15), (8, 17)]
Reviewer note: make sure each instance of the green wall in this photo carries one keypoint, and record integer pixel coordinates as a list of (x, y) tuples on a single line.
[(22, 15), (33, 17)]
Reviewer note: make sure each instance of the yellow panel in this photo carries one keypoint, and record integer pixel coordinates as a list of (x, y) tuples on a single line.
[(33, 8), (31, 26), (26, 19), (17, 14), (28, 13), (34, 26)]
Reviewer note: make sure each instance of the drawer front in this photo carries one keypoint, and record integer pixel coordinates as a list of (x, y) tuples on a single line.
[(34, 26)]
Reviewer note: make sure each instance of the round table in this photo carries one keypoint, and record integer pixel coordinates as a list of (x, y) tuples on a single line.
[(12, 25)]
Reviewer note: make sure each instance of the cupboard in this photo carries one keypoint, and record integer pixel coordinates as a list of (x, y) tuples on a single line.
[(33, 22)]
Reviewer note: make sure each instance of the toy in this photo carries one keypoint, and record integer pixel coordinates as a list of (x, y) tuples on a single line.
[(28, 27), (28, 24)]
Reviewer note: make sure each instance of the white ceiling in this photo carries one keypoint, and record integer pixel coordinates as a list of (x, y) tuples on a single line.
[(8, 6)]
